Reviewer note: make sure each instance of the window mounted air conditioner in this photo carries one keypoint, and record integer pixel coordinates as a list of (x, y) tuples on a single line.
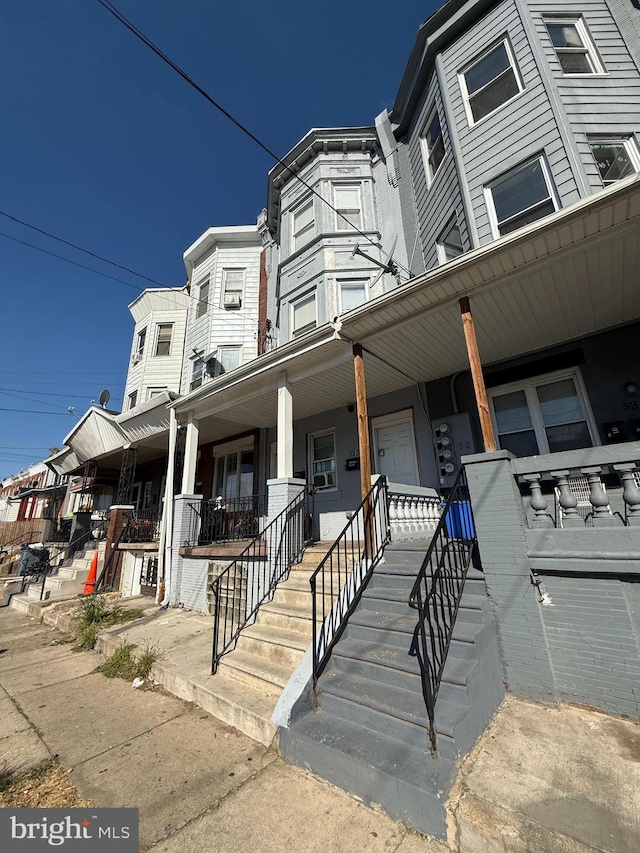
[(137, 357), (231, 300), (322, 481)]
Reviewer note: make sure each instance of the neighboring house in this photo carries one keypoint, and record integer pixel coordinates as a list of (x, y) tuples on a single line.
[(27, 500)]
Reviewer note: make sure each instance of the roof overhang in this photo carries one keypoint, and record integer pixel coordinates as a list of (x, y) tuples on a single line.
[(213, 237), (45, 491)]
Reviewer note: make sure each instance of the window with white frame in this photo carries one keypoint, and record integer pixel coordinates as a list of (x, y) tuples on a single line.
[(573, 46), (322, 459), (450, 242), (353, 293), (203, 299), (348, 205), (303, 224), (521, 196), (490, 81), (197, 373), (155, 392), (227, 358), (132, 400), (432, 145), (616, 157), (303, 315), (163, 341), (546, 414), (140, 343), (232, 288)]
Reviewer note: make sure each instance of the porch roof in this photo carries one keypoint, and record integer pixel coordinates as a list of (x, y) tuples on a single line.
[(561, 278)]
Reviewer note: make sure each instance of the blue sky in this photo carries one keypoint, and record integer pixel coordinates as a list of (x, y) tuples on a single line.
[(105, 146)]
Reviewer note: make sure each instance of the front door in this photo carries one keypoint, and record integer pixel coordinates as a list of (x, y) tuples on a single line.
[(395, 448)]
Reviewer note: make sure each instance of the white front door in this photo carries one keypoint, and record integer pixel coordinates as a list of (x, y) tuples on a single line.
[(395, 448)]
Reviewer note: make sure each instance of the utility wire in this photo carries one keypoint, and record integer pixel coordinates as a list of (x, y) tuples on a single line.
[(30, 400), (33, 412), (158, 52), (51, 394)]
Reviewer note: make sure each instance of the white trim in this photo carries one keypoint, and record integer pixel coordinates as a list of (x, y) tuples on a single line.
[(537, 424), (424, 146), (504, 40), (351, 281), (223, 288), (628, 141), (157, 340), (307, 201), (404, 416), (588, 44), (440, 248), (310, 459), (341, 224), (201, 310), (488, 194), (298, 333), (228, 348)]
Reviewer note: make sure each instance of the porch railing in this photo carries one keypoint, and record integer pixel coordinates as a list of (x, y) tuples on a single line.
[(222, 520), (339, 580), (143, 526), (438, 589), (251, 579)]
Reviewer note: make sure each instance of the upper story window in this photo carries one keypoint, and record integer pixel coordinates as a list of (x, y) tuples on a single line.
[(303, 315), (432, 146), (573, 46), (232, 289), (450, 242), (616, 157), (140, 343), (303, 224), (322, 459), (349, 206), (155, 392), (228, 358), (490, 81), (197, 372), (203, 299), (547, 414), (163, 343), (521, 196), (132, 400), (353, 293)]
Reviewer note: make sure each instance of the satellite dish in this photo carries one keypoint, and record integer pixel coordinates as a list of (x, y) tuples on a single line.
[(104, 398)]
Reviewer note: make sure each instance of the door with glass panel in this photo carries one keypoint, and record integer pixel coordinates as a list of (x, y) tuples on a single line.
[(234, 475), (542, 416)]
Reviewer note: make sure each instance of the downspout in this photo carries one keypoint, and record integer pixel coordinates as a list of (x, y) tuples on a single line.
[(167, 515)]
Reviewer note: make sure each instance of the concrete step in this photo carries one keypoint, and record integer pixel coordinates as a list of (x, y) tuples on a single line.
[(254, 670), (20, 603), (288, 617), (274, 644)]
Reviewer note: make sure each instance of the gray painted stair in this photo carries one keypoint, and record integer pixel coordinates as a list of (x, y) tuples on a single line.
[(368, 733)]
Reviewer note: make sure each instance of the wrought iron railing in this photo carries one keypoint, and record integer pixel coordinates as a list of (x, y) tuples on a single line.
[(223, 520), (149, 572), (339, 580), (143, 526), (438, 589), (251, 579), (96, 532)]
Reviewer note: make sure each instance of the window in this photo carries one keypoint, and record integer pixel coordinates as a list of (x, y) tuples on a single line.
[(573, 46), (234, 475), (347, 203), (303, 225), (353, 293), (163, 345), (490, 82), (140, 342), (197, 372), (203, 299), (133, 399), (615, 157), (521, 196), (228, 358), (303, 315), (322, 459), (232, 288), (432, 146), (546, 415), (450, 242), (155, 392)]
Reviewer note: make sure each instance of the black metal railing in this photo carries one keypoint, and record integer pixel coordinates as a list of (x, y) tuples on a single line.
[(143, 526), (149, 572), (251, 579), (339, 580), (223, 520), (96, 531), (438, 589)]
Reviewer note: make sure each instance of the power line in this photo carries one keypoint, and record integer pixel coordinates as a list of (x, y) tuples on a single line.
[(158, 52), (52, 394), (29, 400), (33, 412)]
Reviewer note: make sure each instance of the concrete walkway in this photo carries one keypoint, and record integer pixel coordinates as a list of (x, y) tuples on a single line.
[(540, 780)]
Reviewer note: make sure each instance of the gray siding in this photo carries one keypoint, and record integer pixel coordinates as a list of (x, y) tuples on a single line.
[(518, 130), (594, 104), (435, 205)]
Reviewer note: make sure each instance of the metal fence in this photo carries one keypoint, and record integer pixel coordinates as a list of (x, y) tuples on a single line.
[(224, 520), (143, 526)]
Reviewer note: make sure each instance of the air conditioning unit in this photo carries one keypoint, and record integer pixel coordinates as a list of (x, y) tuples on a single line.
[(137, 357), (231, 300), (322, 481)]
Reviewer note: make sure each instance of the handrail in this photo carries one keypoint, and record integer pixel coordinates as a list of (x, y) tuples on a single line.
[(86, 536), (272, 553), (438, 589), (345, 572)]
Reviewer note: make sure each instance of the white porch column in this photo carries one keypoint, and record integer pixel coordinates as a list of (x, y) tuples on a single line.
[(190, 456), (285, 428)]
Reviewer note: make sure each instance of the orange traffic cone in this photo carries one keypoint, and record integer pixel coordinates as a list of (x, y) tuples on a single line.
[(90, 583)]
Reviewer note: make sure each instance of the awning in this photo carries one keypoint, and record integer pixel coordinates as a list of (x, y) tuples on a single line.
[(45, 491)]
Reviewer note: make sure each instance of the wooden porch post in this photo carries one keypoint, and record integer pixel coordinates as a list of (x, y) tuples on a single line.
[(363, 421), (476, 374)]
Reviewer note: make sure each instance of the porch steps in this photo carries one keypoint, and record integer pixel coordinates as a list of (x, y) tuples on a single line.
[(369, 733), (250, 679)]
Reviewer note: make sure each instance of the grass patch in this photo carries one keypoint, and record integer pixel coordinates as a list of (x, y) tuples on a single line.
[(95, 613), (46, 786), (123, 664)]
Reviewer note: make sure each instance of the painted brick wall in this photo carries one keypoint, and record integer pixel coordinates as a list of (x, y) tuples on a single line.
[(188, 575)]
